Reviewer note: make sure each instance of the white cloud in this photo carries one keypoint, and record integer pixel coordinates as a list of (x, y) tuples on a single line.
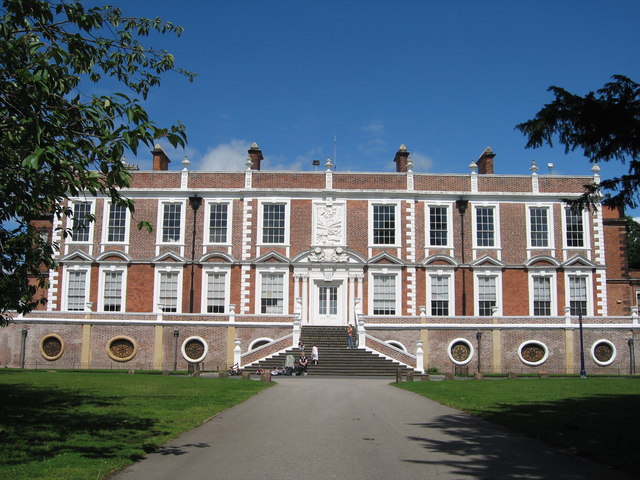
[(421, 163), (375, 127), (226, 156)]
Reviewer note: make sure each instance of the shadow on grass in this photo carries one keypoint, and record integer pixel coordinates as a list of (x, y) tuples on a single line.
[(602, 428), (37, 423)]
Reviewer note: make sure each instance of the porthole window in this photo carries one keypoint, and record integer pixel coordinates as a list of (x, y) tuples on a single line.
[(122, 349), (603, 352), (51, 347), (533, 353), (194, 349), (397, 345), (259, 342), (460, 351)]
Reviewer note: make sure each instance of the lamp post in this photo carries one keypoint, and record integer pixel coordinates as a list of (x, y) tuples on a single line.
[(632, 357), (478, 338), (583, 372), (195, 203), (461, 205), (176, 334)]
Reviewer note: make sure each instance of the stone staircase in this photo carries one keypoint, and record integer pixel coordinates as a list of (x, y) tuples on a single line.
[(335, 359)]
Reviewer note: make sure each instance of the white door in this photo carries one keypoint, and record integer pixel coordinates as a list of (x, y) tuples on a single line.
[(329, 304)]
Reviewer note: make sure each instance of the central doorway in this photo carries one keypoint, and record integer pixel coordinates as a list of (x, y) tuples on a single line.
[(329, 306)]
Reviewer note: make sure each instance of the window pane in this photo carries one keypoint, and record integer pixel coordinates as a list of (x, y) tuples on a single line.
[(273, 223), (578, 295), (384, 224), (171, 222), (218, 223), (539, 227), (486, 295), (272, 295), (215, 292), (112, 291), (485, 229), (76, 290), (81, 218), (575, 228), (169, 291), (440, 295), (437, 226), (384, 294), (541, 295), (117, 223)]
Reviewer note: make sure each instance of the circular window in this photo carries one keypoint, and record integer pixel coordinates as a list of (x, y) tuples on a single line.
[(122, 349), (460, 351), (194, 349), (603, 352), (533, 353), (51, 347)]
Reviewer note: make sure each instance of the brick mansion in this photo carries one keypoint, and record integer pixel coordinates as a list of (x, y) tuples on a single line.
[(475, 270)]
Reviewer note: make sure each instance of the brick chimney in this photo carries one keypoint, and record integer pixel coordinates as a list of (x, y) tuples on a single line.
[(160, 159), (255, 154), (485, 162), (401, 158)]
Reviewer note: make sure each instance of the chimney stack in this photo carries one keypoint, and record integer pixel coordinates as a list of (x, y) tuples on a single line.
[(401, 158), (485, 162), (255, 154), (160, 159)]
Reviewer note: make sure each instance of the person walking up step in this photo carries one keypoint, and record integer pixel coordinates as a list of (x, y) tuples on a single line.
[(350, 343)]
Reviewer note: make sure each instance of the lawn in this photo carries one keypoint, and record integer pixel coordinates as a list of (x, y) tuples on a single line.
[(597, 418), (73, 425)]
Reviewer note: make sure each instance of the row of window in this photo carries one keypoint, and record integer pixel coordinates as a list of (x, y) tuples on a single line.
[(384, 290), (385, 227)]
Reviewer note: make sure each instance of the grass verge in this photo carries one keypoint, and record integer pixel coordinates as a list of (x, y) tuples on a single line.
[(594, 417), (63, 425)]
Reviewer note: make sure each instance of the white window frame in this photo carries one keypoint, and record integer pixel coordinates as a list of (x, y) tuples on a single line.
[(92, 211), (156, 289), (476, 296), (102, 283), (449, 216), (105, 225), (87, 286), (585, 230), (207, 222), (398, 288), (397, 213), (589, 287), (550, 234), (496, 225), (284, 271), (212, 270), (554, 291), (160, 221), (287, 221), (451, 291)]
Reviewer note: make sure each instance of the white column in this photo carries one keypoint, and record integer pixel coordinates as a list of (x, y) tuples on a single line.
[(419, 357), (237, 352), (304, 314)]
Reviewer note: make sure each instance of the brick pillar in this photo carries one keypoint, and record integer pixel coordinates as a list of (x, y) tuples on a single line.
[(485, 162), (401, 159), (255, 154)]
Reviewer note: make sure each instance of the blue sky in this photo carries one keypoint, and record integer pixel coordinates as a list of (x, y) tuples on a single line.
[(445, 78)]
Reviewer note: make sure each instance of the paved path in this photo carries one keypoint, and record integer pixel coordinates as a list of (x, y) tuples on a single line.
[(352, 429)]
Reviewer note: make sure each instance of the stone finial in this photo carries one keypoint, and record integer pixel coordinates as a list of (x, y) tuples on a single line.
[(185, 163), (248, 163), (595, 169), (533, 168), (473, 166), (328, 163), (410, 164)]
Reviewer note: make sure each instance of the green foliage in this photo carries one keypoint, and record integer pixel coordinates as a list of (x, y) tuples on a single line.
[(605, 125), (56, 139), (75, 426), (633, 243)]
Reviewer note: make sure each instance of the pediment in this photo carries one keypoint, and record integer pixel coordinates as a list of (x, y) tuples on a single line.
[(385, 258), (271, 257), (77, 256), (542, 261), (439, 260), (487, 261), (113, 256), (217, 257), (579, 262), (169, 257)]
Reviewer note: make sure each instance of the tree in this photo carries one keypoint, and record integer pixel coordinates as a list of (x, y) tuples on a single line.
[(633, 243), (605, 125), (57, 140)]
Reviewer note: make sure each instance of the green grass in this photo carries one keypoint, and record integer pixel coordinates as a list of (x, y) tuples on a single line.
[(595, 417), (63, 425)]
